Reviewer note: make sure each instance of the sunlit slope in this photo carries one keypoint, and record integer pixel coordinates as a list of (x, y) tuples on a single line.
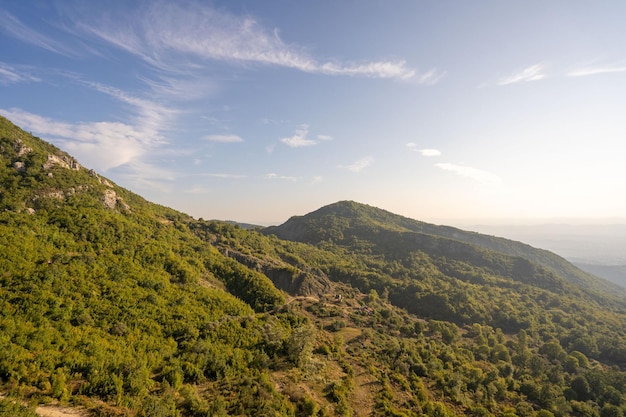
[(128, 308), (346, 222)]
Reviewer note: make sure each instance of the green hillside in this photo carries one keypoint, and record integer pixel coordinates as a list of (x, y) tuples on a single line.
[(123, 307), (346, 219)]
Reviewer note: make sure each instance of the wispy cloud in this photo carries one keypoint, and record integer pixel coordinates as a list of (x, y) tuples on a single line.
[(424, 152), (532, 73), (483, 177), (429, 152), (274, 176), (198, 189), (228, 176), (223, 138), (145, 175), (431, 77), (15, 28), (164, 32), (12, 75), (99, 145), (583, 72), (149, 116), (359, 165), (300, 139)]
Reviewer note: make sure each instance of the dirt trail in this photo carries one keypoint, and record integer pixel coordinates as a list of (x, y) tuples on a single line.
[(56, 411)]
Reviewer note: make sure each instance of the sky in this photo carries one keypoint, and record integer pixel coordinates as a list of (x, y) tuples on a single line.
[(255, 111)]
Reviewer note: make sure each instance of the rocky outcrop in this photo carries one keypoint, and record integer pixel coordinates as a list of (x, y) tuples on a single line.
[(19, 166), (112, 201), (62, 161), (101, 180), (20, 148)]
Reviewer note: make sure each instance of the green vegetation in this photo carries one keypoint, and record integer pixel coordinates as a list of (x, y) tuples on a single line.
[(127, 308)]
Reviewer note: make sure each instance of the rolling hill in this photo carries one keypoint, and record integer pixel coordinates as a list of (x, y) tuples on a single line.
[(127, 308)]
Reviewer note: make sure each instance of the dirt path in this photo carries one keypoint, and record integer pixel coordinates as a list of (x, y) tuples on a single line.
[(56, 411)]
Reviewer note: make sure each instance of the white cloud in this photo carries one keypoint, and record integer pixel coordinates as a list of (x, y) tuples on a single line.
[(424, 152), (228, 176), (13, 75), (184, 87), (359, 165), (484, 177), (430, 152), (431, 77), (317, 179), (223, 138), (299, 139), (274, 176), (149, 116), (164, 34), (583, 72), (324, 137), (15, 28), (98, 145), (146, 175), (532, 73)]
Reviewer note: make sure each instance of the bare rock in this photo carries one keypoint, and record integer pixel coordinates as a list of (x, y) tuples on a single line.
[(123, 206), (20, 148), (19, 166), (62, 161), (110, 199), (101, 180)]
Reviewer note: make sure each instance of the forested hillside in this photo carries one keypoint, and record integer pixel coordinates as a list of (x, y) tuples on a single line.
[(126, 308)]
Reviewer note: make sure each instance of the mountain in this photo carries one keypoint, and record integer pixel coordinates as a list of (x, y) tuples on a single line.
[(347, 220), (122, 307)]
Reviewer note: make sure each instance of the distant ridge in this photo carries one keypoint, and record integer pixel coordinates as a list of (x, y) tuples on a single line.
[(346, 219)]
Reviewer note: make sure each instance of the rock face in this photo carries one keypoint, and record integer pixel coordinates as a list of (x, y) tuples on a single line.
[(112, 201), (63, 161), (19, 166), (20, 148)]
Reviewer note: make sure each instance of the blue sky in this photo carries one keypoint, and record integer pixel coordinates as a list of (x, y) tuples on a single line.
[(258, 110)]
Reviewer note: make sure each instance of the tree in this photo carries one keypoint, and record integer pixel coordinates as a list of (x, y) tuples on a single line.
[(300, 345)]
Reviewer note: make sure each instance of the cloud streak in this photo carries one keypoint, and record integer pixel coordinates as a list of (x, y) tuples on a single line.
[(99, 145), (532, 73), (483, 177), (300, 139), (149, 116), (12, 75), (164, 34), (274, 176), (584, 72), (359, 165), (223, 138), (424, 152), (15, 28)]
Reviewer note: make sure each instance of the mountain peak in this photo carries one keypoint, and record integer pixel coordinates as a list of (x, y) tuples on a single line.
[(347, 222)]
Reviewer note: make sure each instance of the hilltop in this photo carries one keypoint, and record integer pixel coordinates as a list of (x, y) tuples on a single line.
[(128, 308)]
